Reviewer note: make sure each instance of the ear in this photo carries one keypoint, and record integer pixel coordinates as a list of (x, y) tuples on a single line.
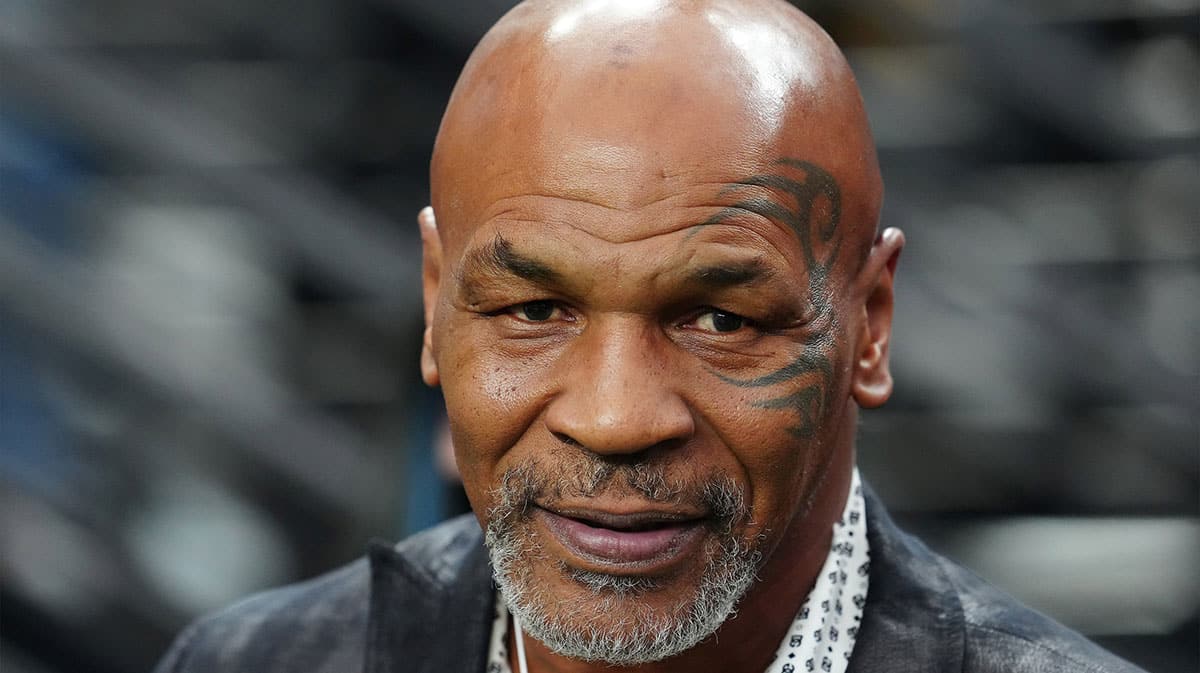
[(872, 382), (431, 278)]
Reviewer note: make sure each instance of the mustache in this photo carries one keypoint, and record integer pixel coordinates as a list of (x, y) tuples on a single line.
[(583, 475)]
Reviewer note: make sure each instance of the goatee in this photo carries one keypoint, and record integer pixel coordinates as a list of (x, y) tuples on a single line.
[(605, 621)]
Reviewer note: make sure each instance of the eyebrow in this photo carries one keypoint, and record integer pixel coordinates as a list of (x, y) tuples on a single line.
[(730, 274), (499, 257)]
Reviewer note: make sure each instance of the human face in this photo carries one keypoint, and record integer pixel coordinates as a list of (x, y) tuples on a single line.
[(644, 398), (650, 300)]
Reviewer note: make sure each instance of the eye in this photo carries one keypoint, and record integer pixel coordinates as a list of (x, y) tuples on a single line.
[(535, 311), (715, 320)]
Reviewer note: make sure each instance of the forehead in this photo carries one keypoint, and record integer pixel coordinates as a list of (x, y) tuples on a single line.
[(623, 152), (776, 224), (596, 202), (622, 172)]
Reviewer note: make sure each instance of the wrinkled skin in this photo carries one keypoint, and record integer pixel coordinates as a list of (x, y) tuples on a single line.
[(655, 243)]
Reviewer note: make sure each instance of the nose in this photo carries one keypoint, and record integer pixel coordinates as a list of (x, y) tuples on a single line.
[(617, 395)]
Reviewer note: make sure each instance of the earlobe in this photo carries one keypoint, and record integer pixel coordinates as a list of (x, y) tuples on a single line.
[(872, 383), (429, 369), (431, 277)]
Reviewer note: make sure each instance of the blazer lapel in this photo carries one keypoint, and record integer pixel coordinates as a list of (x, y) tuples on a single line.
[(411, 610), (913, 619)]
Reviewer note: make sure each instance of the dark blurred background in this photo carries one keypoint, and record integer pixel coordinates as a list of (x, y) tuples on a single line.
[(209, 306)]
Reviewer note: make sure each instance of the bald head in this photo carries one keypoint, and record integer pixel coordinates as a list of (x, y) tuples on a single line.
[(611, 101)]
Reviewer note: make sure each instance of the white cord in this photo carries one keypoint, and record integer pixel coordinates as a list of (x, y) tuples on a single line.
[(520, 645)]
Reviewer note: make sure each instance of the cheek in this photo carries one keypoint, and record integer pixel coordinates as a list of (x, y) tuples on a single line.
[(776, 463), (765, 454), (492, 400), (780, 460)]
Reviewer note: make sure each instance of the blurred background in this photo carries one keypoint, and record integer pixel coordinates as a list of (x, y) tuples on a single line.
[(209, 306)]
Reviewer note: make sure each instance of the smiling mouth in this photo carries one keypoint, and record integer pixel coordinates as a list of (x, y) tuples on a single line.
[(640, 542)]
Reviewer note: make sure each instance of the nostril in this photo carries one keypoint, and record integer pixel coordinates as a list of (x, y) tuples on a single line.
[(668, 445), (565, 439)]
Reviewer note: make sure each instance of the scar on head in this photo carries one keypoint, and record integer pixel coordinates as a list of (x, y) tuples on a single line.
[(620, 56)]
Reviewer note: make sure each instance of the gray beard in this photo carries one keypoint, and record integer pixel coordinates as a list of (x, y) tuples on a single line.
[(606, 622)]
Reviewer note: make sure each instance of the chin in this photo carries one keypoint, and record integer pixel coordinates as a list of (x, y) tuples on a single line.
[(620, 619)]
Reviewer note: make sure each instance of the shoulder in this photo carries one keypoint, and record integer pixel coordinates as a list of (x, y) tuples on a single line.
[(1004, 635), (938, 616), (318, 625), (312, 622)]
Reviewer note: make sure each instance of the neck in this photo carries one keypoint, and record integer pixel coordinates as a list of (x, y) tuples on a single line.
[(746, 643)]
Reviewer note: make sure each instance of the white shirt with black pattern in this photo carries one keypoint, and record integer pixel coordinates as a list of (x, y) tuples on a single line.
[(821, 638)]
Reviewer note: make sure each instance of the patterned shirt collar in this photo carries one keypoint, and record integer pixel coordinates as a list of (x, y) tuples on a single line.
[(821, 638)]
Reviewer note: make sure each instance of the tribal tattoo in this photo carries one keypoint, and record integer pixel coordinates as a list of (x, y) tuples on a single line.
[(814, 213)]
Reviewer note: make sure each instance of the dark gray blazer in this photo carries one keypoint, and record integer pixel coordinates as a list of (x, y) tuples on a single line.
[(425, 606)]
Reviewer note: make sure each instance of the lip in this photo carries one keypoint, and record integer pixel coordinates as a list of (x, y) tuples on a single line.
[(641, 541)]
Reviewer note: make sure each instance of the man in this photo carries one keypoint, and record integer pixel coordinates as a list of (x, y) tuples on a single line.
[(655, 300)]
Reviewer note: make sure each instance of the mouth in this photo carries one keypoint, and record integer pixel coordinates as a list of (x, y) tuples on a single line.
[(641, 542)]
